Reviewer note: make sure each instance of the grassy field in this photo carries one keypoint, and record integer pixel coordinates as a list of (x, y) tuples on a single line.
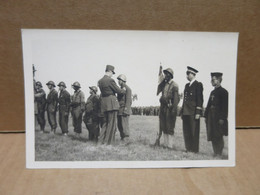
[(143, 129)]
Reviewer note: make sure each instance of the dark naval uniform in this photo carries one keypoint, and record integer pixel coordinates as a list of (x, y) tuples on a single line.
[(77, 109), (125, 102), (40, 99), (52, 101), (64, 108), (192, 105), (168, 108), (217, 109), (110, 107), (91, 118)]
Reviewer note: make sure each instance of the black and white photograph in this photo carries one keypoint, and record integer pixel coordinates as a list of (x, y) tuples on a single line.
[(129, 99)]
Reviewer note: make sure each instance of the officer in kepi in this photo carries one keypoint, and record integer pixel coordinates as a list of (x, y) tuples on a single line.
[(125, 102), (40, 98), (168, 106), (91, 118), (64, 107), (192, 110), (51, 106), (109, 105), (77, 108), (216, 114)]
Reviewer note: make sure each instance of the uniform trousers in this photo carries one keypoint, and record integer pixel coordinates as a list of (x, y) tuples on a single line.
[(63, 120), (77, 119), (107, 135), (191, 133), (52, 119), (93, 127), (123, 125), (167, 118), (41, 119), (218, 145)]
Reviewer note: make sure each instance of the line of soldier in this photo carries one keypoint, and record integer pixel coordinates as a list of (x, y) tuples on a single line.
[(216, 113), (106, 112)]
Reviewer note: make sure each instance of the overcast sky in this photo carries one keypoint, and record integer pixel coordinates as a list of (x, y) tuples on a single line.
[(82, 55)]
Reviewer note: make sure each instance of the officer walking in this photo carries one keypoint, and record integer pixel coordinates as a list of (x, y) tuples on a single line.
[(40, 98), (109, 105), (168, 108), (125, 102), (192, 110), (51, 106), (216, 114), (91, 118), (77, 108), (64, 107)]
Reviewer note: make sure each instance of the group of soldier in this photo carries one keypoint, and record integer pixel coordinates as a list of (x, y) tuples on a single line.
[(110, 111), (106, 112), (216, 113)]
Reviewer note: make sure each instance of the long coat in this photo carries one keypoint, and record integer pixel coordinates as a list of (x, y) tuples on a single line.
[(193, 99), (64, 101), (40, 98), (217, 109), (125, 102), (109, 88)]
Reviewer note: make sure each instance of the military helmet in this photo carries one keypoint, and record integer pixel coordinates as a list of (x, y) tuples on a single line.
[(51, 83), (76, 84), (62, 84), (122, 77), (94, 88), (38, 83), (169, 70)]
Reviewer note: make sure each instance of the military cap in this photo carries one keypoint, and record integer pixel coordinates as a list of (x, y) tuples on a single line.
[(122, 77), (38, 83), (51, 83), (216, 74), (110, 68), (76, 84), (192, 70), (62, 84), (169, 70), (94, 88)]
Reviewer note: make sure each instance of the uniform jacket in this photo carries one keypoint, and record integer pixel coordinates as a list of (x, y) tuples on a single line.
[(40, 98), (125, 102), (92, 105), (217, 109), (193, 99), (78, 100), (108, 90), (170, 94), (64, 101), (52, 101)]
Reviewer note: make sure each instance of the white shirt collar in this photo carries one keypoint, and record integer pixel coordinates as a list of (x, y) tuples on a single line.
[(192, 82)]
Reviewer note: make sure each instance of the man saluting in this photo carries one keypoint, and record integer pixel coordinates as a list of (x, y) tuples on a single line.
[(192, 110), (216, 114)]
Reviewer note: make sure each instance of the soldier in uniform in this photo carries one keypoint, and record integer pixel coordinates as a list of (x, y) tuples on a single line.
[(91, 118), (191, 111), (51, 106), (216, 114), (109, 105), (64, 108), (125, 102), (168, 107), (40, 99), (77, 108)]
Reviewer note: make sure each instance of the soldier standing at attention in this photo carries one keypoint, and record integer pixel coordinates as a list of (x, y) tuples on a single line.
[(78, 107), (91, 119), (168, 108), (40, 98), (191, 111), (51, 106), (216, 114), (64, 107), (109, 105), (125, 102)]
